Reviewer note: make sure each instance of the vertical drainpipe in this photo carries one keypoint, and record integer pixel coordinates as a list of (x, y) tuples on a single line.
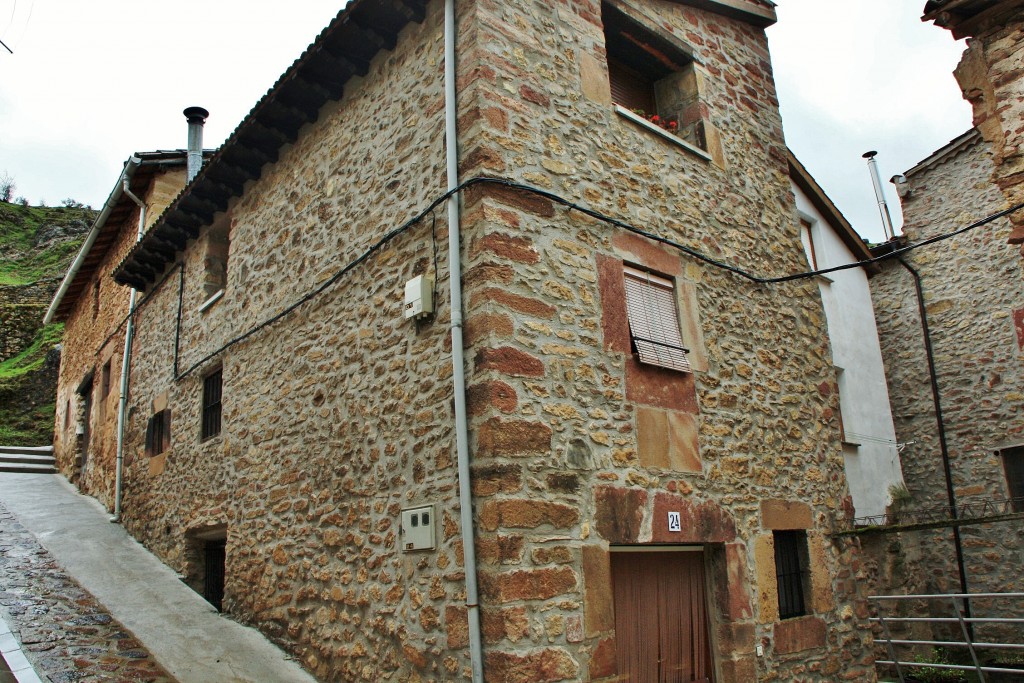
[(458, 368), (129, 335)]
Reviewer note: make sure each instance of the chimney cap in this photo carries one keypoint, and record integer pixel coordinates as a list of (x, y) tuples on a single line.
[(196, 115), (869, 155)]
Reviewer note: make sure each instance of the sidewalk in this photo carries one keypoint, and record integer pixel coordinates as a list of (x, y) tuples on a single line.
[(52, 537)]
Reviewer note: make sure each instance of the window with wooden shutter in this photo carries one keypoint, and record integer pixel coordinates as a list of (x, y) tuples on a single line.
[(654, 320), (158, 433)]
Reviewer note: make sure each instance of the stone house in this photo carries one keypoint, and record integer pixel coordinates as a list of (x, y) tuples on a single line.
[(641, 447), (966, 423), (94, 310)]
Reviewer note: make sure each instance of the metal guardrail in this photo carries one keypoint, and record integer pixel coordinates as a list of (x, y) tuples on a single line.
[(956, 602), (967, 510)]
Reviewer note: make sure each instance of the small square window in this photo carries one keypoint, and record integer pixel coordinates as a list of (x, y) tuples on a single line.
[(158, 433), (654, 320), (790, 572), (1013, 468), (653, 75), (211, 405)]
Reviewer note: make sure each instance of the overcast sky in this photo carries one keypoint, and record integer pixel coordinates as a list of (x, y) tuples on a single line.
[(89, 83)]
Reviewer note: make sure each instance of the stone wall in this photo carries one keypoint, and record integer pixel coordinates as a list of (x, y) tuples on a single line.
[(972, 287), (339, 414), (989, 76), (21, 314)]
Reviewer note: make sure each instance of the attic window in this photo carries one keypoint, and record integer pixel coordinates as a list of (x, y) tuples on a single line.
[(653, 75), (654, 320), (215, 263)]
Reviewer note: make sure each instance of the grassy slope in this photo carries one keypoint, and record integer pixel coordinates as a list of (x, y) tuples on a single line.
[(22, 258), (32, 250)]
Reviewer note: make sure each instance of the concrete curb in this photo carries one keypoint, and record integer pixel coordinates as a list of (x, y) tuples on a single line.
[(12, 653)]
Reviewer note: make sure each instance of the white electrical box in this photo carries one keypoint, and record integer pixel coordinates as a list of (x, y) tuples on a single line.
[(419, 297), (417, 532)]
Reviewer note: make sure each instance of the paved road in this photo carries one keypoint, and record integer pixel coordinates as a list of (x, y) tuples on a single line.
[(91, 604)]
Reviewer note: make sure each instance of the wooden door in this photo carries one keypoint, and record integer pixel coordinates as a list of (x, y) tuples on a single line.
[(661, 620)]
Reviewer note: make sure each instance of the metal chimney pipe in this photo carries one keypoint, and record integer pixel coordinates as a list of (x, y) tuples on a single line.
[(196, 118), (883, 208)]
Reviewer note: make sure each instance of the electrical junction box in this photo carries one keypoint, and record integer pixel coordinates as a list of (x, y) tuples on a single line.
[(419, 297), (417, 530)]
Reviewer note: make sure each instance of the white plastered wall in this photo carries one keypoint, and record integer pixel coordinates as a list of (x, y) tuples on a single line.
[(869, 448)]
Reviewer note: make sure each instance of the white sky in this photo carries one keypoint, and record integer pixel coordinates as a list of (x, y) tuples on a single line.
[(90, 83)]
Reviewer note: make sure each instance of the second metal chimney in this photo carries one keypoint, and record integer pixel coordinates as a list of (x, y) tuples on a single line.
[(196, 118)]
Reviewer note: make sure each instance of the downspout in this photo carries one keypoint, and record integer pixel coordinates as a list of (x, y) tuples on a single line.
[(943, 447), (458, 362), (129, 335)]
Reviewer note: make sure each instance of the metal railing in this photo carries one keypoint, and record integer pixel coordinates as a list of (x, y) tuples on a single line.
[(980, 651), (968, 510)]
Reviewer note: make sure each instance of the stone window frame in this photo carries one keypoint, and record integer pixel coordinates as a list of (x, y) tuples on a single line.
[(212, 406), (1014, 475), (663, 74), (215, 262)]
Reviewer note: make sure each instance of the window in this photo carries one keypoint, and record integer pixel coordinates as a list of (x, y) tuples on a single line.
[(215, 263), (158, 433), (1013, 467), (211, 404), (661, 616), (790, 571), (654, 320), (105, 380), (650, 73), (807, 236)]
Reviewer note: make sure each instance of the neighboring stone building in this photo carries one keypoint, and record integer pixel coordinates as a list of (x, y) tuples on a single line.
[(990, 76), (293, 441), (94, 309), (971, 286), (869, 439)]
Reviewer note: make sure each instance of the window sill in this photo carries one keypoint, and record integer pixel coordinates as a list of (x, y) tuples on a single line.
[(644, 123), (211, 301), (851, 444)]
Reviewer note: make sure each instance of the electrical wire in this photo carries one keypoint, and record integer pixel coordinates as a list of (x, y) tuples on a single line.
[(573, 206)]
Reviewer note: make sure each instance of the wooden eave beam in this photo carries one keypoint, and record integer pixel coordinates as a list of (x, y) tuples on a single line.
[(203, 209), (228, 176), (410, 11), (250, 159)]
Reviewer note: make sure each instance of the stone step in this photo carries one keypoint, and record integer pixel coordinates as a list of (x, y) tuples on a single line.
[(27, 459), (21, 468), (38, 450)]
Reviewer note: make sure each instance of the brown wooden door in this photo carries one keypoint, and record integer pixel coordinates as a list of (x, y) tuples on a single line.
[(661, 620)]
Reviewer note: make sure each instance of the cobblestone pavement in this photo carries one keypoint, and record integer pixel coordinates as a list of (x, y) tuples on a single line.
[(64, 631)]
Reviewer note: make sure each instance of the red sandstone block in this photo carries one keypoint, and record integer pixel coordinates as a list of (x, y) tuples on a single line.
[(527, 514), (797, 635), (507, 246), (549, 664), (619, 512), (528, 584), (509, 361), (494, 394), (522, 304), (512, 437)]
